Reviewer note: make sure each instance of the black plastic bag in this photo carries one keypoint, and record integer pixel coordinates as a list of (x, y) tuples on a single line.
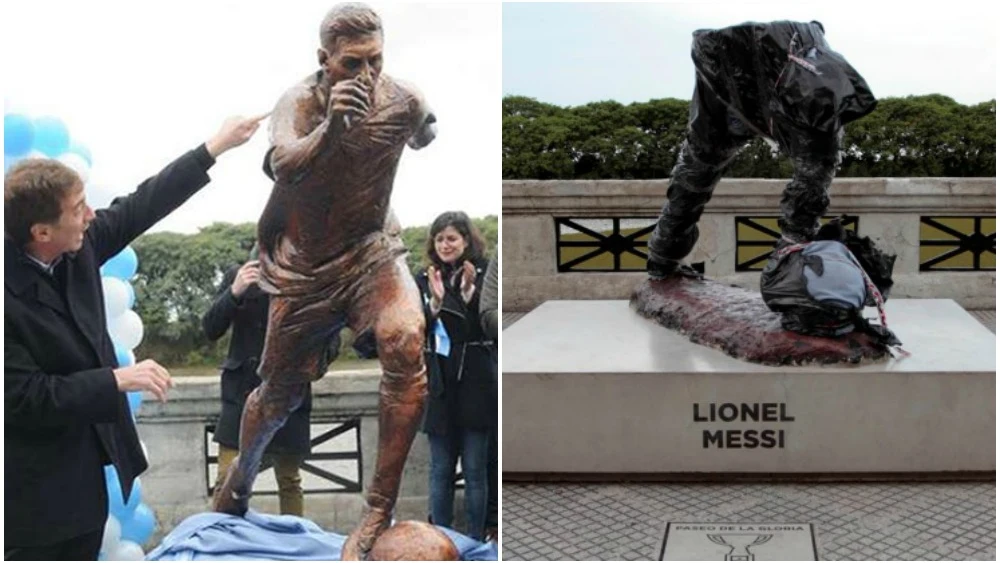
[(783, 288), (781, 72)]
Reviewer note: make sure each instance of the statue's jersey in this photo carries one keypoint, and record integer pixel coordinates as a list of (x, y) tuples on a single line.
[(326, 221)]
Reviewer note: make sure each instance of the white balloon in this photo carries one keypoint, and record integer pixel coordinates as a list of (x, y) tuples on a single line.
[(126, 551), (126, 329), (115, 296), (112, 534), (77, 163), (36, 154), (145, 452)]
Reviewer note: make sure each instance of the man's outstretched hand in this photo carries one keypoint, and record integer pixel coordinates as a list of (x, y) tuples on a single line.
[(234, 132)]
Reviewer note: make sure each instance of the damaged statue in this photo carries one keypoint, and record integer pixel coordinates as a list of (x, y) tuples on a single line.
[(330, 255), (780, 81)]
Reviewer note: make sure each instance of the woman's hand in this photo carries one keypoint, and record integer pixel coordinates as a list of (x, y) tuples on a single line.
[(437, 288), (468, 281)]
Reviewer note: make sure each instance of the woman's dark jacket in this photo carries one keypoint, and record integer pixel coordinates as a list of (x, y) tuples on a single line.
[(460, 385)]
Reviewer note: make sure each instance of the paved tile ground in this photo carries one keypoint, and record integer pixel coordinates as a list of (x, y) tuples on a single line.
[(853, 521)]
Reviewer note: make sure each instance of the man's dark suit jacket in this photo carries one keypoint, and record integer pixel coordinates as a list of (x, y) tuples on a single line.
[(64, 418)]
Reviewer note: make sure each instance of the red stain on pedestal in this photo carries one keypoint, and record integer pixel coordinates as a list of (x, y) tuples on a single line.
[(736, 321)]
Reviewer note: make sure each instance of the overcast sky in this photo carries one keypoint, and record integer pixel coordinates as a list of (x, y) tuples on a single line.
[(570, 54), (141, 82)]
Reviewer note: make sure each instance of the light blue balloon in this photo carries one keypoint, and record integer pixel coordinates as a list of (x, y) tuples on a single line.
[(51, 136), (134, 401), (83, 151), (116, 504), (123, 356), (122, 265), (135, 498), (140, 525), (18, 135)]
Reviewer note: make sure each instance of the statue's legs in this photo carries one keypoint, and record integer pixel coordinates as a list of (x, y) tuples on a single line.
[(294, 355), (806, 198), (391, 302), (267, 409), (714, 138)]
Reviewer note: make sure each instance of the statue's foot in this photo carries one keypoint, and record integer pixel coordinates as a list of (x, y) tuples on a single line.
[(228, 500), (662, 270), (230, 503), (361, 540)]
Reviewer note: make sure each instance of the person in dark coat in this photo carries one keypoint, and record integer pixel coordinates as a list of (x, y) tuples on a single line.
[(65, 411), (488, 320), (461, 364), (488, 302)]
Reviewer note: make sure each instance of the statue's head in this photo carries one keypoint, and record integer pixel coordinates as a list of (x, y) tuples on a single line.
[(351, 43)]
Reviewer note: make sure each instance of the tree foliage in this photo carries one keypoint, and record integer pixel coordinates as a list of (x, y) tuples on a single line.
[(179, 275), (914, 136)]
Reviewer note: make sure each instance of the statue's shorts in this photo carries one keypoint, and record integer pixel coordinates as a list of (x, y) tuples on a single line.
[(312, 300)]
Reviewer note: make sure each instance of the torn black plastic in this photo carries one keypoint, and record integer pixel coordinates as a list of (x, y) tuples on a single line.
[(778, 80)]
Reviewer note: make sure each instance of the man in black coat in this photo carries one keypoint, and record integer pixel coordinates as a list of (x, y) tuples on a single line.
[(65, 411)]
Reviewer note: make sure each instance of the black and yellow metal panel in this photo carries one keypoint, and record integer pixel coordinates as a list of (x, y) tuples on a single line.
[(756, 237), (612, 244), (949, 243), (327, 466)]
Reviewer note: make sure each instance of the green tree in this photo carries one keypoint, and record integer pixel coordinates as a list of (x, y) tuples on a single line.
[(177, 279), (914, 136), (179, 275)]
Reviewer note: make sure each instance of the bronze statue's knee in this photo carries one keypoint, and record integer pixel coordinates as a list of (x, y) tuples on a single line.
[(279, 399), (293, 396), (401, 348)]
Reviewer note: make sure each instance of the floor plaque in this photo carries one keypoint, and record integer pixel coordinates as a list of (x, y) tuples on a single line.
[(712, 541)]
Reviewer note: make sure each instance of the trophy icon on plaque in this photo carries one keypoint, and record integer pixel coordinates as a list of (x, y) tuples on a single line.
[(739, 544)]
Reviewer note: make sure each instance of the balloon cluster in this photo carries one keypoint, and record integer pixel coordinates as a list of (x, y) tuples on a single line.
[(130, 522), (25, 136), (42, 137)]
